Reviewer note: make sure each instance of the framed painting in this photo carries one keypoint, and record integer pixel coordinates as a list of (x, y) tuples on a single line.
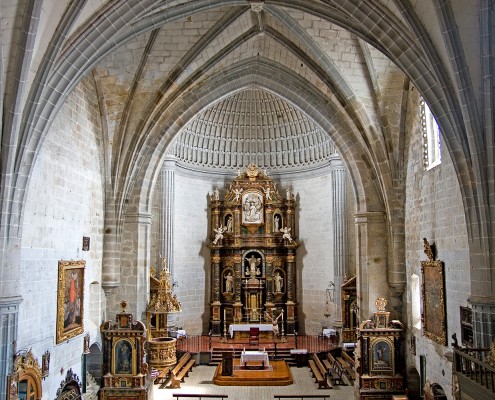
[(70, 299), (124, 356), (382, 356), (433, 298)]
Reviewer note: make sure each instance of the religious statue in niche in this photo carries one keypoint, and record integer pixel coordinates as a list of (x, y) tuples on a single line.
[(276, 223), (252, 208), (229, 224), (229, 283), (278, 282), (253, 269)]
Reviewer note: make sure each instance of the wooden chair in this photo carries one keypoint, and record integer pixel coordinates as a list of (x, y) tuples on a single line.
[(254, 336)]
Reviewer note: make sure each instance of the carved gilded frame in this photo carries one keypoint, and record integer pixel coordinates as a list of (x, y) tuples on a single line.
[(433, 315), (70, 299)]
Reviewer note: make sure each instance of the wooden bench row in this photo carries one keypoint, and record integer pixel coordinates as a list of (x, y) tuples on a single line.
[(181, 370), (319, 372), (342, 369), (200, 396)]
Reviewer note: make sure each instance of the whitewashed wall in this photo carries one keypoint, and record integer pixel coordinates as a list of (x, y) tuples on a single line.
[(64, 203)]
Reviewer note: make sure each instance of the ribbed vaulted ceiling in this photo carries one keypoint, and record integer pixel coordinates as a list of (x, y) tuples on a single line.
[(253, 126)]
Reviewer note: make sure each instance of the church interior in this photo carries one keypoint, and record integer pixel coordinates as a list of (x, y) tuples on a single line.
[(308, 183)]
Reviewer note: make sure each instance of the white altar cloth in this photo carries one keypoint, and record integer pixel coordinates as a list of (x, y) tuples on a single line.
[(260, 356), (245, 328), (329, 332)]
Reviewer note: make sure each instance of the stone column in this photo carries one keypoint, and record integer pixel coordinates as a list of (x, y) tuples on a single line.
[(339, 175), (371, 257), (111, 251), (9, 313), (168, 204), (135, 262)]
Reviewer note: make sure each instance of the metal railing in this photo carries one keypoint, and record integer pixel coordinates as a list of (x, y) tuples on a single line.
[(470, 363)]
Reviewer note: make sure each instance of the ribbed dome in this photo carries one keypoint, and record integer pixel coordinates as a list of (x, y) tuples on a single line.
[(253, 126)]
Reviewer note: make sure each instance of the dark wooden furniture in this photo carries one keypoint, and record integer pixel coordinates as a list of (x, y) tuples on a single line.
[(254, 335)]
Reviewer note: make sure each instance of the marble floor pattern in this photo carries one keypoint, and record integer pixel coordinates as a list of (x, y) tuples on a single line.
[(200, 381)]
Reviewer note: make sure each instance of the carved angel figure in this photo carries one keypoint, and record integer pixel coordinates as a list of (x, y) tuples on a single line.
[(219, 233), (286, 234)]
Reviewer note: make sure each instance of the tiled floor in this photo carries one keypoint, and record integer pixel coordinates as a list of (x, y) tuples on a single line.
[(200, 381)]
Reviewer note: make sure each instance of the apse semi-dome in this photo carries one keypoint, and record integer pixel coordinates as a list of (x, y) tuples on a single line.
[(253, 126)]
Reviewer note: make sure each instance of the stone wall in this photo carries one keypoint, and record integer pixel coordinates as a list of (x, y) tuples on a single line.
[(64, 202), (434, 211)]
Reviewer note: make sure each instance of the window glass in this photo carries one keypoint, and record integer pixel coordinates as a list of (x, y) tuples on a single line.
[(431, 137)]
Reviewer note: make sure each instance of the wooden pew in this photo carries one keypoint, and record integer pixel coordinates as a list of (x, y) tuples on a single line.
[(333, 373), (348, 358), (323, 372), (316, 374), (347, 369), (181, 370)]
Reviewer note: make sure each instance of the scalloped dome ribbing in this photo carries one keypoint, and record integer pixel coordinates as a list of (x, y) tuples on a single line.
[(253, 126)]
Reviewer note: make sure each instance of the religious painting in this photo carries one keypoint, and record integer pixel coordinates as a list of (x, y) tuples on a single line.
[(123, 356), (433, 298), (381, 356), (70, 299), (252, 208)]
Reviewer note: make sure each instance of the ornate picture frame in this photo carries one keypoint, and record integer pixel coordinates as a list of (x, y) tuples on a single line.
[(70, 299), (433, 315)]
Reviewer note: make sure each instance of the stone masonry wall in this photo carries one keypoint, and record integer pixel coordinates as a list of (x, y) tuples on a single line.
[(434, 210), (64, 203)]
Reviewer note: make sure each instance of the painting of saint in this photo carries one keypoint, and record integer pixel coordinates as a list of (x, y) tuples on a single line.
[(123, 357), (72, 301), (382, 356)]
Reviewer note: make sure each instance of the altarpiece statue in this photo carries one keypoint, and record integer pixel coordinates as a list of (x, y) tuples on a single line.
[(253, 253)]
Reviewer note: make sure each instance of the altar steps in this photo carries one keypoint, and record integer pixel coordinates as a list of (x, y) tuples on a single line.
[(282, 354)]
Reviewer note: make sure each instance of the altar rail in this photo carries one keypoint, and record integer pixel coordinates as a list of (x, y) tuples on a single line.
[(200, 396), (301, 396), (203, 343), (472, 372)]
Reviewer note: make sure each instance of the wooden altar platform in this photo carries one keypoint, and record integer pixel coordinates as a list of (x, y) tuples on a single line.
[(277, 375)]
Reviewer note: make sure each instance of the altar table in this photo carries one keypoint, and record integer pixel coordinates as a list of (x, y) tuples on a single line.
[(245, 328), (247, 356)]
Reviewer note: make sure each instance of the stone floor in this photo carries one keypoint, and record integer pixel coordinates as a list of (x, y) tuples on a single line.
[(200, 381)]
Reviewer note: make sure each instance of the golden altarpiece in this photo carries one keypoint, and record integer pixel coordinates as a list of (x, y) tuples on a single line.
[(379, 356), (253, 254), (125, 372)]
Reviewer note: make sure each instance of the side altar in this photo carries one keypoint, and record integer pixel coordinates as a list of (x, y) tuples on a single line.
[(253, 255)]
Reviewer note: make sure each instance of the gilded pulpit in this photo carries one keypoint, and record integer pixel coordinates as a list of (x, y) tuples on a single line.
[(253, 252)]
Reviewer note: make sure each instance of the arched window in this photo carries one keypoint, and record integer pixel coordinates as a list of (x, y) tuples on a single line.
[(431, 137), (415, 302)]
